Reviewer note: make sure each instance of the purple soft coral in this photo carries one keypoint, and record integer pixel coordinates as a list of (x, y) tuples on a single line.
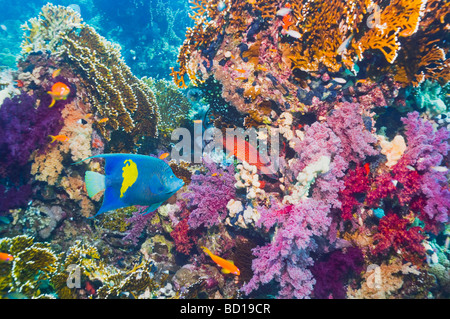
[(332, 275), (209, 193), (24, 128), (286, 258)]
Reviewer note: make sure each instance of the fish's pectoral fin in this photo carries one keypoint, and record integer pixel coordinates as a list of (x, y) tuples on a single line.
[(152, 208), (95, 183), (225, 271)]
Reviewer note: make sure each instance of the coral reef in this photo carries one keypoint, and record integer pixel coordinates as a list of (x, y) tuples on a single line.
[(113, 91), (348, 97)]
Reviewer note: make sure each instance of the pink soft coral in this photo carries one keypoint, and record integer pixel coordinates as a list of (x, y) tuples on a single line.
[(286, 258), (209, 194)]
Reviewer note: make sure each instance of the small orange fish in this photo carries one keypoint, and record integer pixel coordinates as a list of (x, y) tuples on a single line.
[(88, 115), (19, 83), (59, 91), (6, 257), (287, 20), (367, 168), (227, 265), (164, 155), (56, 73), (240, 70), (103, 120), (273, 50), (60, 138), (215, 174), (241, 78), (244, 151), (260, 67)]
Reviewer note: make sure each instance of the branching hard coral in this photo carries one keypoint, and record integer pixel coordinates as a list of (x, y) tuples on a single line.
[(383, 281), (173, 105), (113, 91)]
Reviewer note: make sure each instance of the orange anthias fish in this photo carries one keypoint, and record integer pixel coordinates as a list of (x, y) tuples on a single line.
[(60, 138), (240, 70), (59, 91), (227, 265), (6, 257), (103, 120), (287, 21), (163, 156), (244, 151), (56, 73)]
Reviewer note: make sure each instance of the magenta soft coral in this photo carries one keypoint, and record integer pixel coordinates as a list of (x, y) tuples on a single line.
[(286, 258), (414, 180), (209, 194), (394, 235)]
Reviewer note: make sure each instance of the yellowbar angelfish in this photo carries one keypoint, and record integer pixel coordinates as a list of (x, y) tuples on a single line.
[(132, 179)]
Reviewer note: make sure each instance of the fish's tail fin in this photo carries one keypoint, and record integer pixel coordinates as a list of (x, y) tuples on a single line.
[(95, 183), (206, 250), (53, 99), (53, 138)]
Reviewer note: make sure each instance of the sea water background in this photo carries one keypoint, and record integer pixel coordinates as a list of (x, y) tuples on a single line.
[(149, 32)]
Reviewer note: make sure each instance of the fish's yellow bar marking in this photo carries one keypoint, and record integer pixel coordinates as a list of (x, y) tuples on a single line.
[(130, 175)]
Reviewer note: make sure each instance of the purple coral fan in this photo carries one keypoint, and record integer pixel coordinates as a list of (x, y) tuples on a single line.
[(286, 258), (209, 193)]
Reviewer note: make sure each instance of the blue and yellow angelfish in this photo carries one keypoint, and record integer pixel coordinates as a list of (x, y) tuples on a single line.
[(132, 179)]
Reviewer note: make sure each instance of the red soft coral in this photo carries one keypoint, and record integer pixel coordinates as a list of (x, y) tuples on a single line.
[(183, 237), (393, 233), (356, 182)]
